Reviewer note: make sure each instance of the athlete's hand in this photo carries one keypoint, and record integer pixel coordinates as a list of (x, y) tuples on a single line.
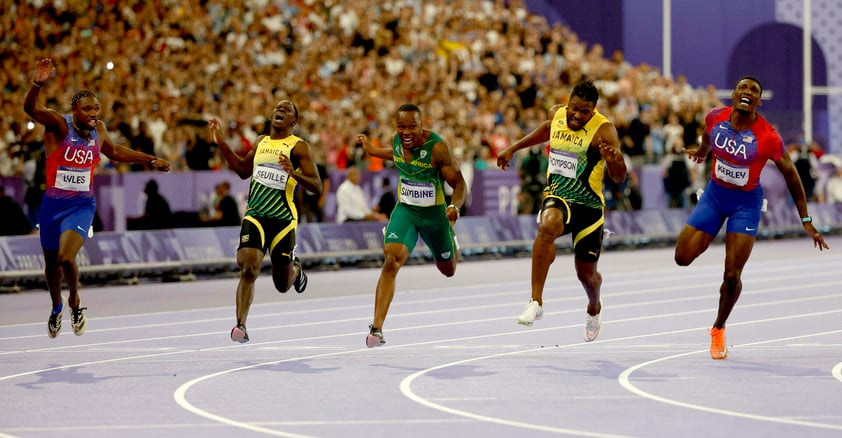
[(215, 128), (607, 151), (818, 240), (503, 158), (286, 164), (161, 164), (693, 153), (44, 69), (363, 140)]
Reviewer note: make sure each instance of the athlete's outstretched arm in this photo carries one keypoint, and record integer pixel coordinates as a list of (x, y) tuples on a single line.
[(379, 152)]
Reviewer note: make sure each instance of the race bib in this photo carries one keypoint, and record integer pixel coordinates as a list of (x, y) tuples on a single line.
[(737, 175), (418, 194), (73, 179), (271, 175), (563, 163)]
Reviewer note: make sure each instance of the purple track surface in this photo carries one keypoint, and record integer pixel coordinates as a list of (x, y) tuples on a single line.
[(156, 359)]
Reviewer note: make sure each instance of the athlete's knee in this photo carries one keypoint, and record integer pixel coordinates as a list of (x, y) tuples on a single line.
[(249, 271), (280, 277), (732, 279), (65, 260), (550, 228), (590, 279), (448, 269), (391, 265), (682, 260)]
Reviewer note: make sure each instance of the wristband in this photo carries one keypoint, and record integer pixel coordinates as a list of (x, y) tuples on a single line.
[(152, 162), (807, 220), (37, 84)]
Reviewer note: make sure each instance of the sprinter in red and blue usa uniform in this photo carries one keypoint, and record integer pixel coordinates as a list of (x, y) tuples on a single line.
[(72, 145), (741, 142)]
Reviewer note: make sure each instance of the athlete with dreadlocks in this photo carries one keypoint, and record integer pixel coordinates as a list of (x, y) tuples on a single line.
[(278, 163), (72, 144), (583, 145)]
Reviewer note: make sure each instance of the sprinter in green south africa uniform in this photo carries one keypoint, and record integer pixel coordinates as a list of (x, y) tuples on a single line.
[(424, 161)]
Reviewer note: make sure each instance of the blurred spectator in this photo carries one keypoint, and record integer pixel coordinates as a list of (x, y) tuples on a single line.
[(12, 220), (833, 188), (533, 179), (224, 211), (313, 204), (387, 199), (624, 196), (141, 141), (676, 177), (806, 158), (35, 183), (156, 213), (351, 202)]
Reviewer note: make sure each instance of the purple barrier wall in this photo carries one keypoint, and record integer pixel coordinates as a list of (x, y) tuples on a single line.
[(205, 249)]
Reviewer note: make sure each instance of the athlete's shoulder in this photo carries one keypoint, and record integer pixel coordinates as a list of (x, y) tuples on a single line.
[(717, 115), (766, 132)]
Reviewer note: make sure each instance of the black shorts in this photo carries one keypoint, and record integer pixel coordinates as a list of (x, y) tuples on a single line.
[(584, 224), (273, 235)]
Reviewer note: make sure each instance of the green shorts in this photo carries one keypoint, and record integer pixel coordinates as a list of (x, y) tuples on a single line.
[(408, 222)]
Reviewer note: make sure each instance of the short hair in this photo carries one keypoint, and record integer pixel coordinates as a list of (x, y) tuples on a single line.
[(586, 90), (751, 78), (79, 95), (295, 107), (410, 107)]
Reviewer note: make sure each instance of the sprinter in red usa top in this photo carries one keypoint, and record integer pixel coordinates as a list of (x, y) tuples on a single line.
[(72, 145), (741, 142)]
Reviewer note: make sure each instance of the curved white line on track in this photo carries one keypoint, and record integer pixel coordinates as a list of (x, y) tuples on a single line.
[(214, 417), (625, 382), (406, 389), (837, 371)]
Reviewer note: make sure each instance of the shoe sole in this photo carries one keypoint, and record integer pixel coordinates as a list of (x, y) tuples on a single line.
[(238, 335), (719, 355), (372, 341)]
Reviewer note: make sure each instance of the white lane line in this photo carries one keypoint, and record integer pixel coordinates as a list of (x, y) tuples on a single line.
[(473, 308), (625, 382), (552, 286)]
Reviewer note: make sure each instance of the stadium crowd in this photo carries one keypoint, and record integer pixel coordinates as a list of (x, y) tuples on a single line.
[(484, 72)]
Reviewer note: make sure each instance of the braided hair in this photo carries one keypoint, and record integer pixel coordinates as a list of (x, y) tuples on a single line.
[(79, 95)]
